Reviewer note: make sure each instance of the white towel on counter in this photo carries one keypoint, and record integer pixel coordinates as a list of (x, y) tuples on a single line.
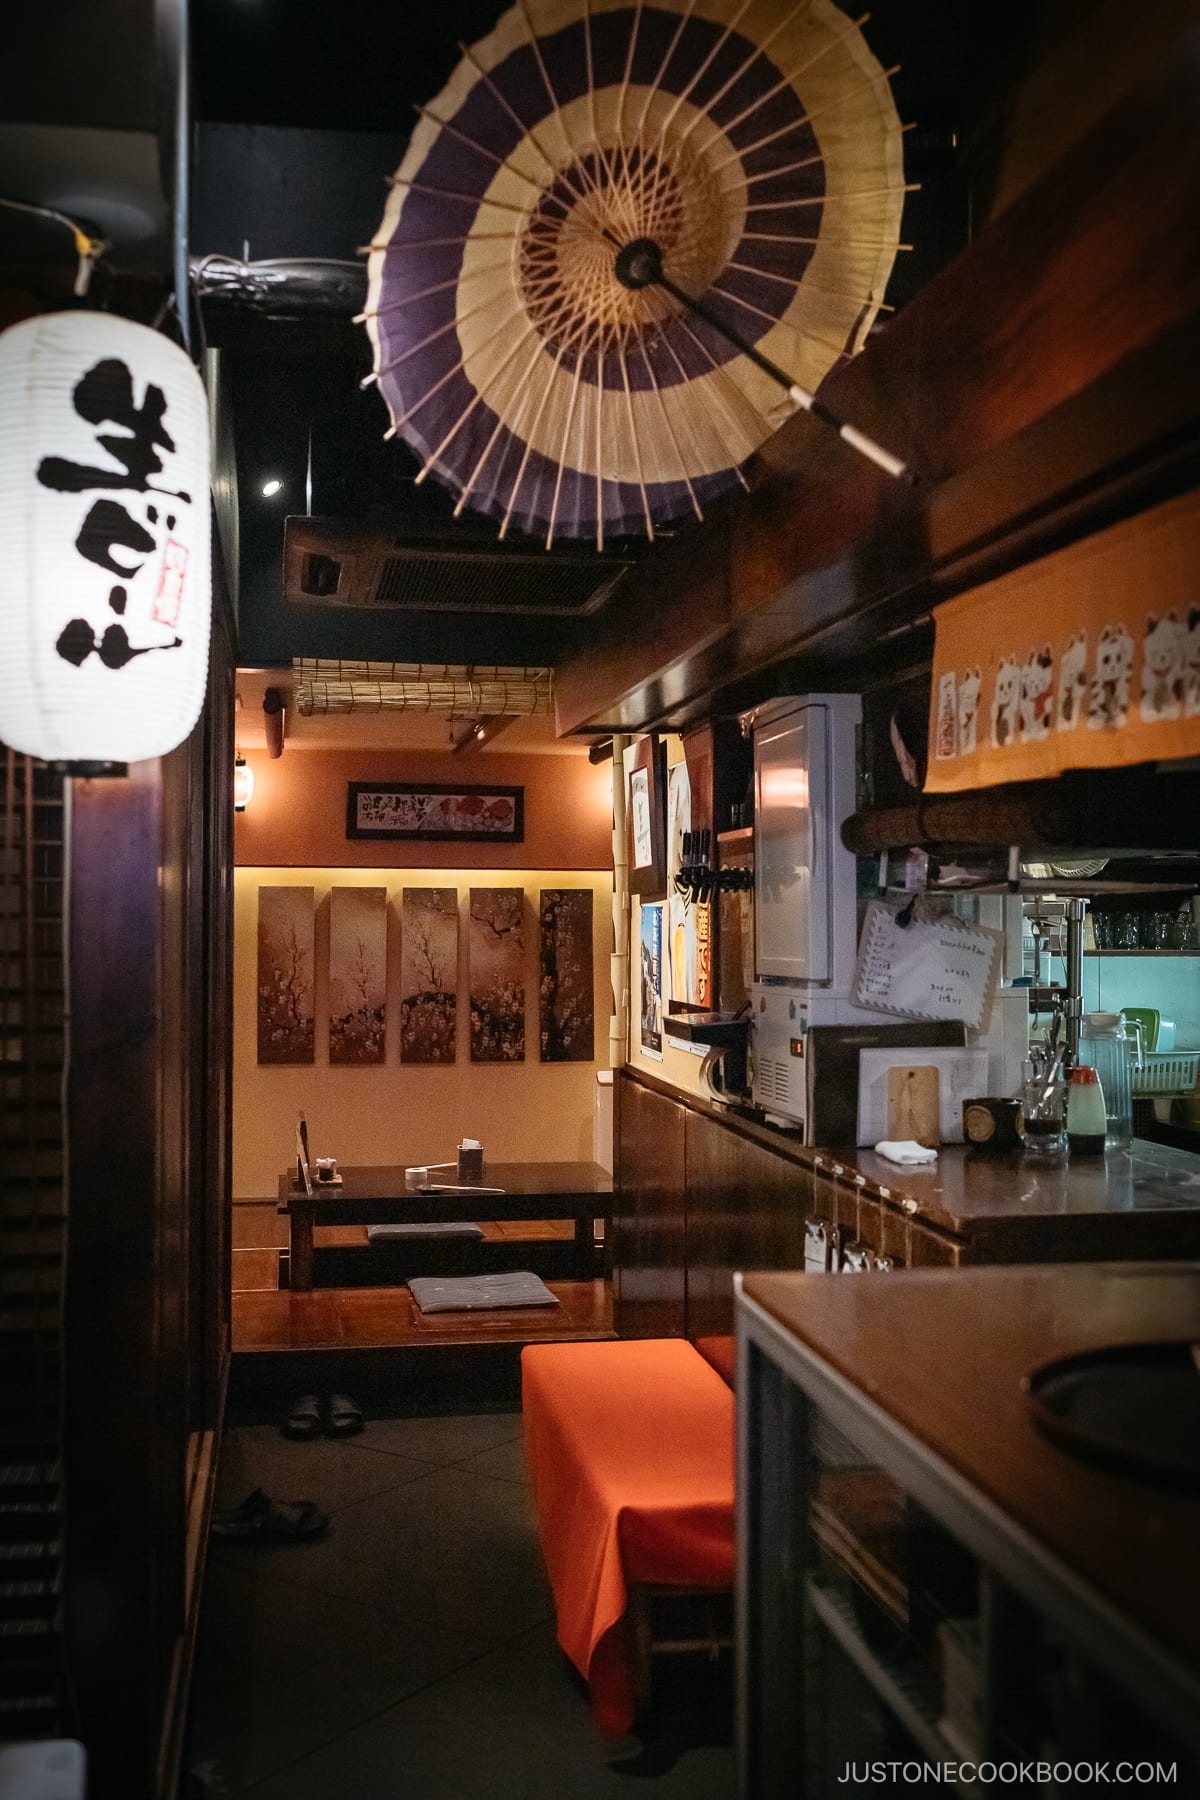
[(904, 1151)]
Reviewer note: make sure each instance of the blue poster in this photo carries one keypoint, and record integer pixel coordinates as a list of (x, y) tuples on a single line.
[(651, 980)]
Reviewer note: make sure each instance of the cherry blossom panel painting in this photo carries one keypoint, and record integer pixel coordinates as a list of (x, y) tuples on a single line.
[(498, 974), (435, 813), (428, 975), (565, 976), (357, 974), (285, 975)]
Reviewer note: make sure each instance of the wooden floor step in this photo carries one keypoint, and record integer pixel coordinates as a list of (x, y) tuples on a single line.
[(388, 1318)]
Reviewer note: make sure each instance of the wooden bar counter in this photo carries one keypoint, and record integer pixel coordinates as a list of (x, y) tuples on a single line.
[(702, 1190), (1143, 1202), (924, 1375)]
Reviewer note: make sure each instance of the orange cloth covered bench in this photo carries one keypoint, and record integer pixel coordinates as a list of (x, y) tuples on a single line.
[(630, 1448)]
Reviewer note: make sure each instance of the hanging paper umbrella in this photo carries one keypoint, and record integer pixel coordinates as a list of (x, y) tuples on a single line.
[(613, 232)]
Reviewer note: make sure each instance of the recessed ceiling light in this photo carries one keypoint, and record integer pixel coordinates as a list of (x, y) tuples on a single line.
[(271, 487)]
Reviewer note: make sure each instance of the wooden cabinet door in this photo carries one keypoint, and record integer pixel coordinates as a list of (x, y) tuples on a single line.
[(745, 1210), (648, 1213)]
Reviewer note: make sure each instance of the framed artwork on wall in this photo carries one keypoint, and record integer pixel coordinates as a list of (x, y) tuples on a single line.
[(567, 1003), (285, 975), (428, 975), (497, 950), (646, 820), (357, 974), (435, 812)]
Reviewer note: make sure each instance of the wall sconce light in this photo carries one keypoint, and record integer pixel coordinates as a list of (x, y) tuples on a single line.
[(104, 540), (243, 783)]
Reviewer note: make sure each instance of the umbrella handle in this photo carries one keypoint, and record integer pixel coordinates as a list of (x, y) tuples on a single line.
[(640, 265)]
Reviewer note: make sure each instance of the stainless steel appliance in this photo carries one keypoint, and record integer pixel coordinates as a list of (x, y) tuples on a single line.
[(805, 911)]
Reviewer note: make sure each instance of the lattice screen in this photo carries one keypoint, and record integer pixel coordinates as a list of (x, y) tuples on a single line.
[(32, 1243)]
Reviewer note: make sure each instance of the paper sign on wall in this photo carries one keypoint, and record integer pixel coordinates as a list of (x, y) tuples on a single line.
[(929, 969)]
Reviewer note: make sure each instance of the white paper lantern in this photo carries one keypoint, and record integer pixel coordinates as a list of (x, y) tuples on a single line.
[(243, 783), (104, 540)]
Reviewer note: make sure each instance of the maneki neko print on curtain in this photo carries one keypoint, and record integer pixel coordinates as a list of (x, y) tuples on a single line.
[(1089, 658)]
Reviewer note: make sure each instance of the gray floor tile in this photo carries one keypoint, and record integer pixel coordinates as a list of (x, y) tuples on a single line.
[(447, 1438), (505, 1462), (511, 1726), (254, 1456), (454, 1548), (282, 1669), (412, 1651)]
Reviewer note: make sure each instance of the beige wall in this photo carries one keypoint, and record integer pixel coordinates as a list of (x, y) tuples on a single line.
[(298, 813), (533, 1112)]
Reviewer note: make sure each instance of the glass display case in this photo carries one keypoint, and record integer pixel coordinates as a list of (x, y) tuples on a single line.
[(891, 1614)]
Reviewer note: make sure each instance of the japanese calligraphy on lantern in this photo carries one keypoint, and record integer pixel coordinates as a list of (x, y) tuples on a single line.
[(104, 463)]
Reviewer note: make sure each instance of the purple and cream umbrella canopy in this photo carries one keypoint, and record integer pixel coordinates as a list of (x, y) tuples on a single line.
[(615, 228)]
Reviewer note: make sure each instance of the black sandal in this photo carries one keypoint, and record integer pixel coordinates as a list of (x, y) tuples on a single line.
[(304, 1418), (345, 1416), (261, 1520)]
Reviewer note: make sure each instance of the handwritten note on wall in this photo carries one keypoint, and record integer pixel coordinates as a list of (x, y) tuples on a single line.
[(928, 969)]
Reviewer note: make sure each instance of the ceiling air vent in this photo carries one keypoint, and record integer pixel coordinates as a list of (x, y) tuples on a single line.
[(331, 564)]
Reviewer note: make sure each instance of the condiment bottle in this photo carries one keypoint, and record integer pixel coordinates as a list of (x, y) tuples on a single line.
[(1087, 1120)]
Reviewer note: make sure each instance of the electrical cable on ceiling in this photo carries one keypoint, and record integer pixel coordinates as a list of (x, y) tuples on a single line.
[(88, 249)]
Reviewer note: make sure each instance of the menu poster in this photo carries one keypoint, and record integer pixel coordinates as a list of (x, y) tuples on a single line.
[(651, 963), (929, 969)]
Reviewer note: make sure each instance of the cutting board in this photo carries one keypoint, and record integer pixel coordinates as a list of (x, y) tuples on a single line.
[(913, 1105), (914, 1098)]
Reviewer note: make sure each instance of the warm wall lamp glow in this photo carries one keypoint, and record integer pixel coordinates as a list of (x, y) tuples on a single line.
[(243, 783)]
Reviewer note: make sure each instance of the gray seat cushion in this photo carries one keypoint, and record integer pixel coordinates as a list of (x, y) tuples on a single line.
[(380, 1234), (473, 1293)]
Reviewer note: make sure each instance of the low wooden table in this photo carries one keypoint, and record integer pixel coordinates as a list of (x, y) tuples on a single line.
[(377, 1196)]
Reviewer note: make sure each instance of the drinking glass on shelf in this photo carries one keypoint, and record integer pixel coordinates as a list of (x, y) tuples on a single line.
[(1183, 929), (1125, 931), (1102, 930), (1163, 924)]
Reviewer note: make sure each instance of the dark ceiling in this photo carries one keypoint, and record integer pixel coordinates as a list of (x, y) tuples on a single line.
[(303, 108)]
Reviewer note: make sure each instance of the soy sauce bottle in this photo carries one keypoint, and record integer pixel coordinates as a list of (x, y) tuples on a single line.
[(1087, 1118)]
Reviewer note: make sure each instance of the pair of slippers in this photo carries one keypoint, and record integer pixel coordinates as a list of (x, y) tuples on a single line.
[(341, 1418), (261, 1520)]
